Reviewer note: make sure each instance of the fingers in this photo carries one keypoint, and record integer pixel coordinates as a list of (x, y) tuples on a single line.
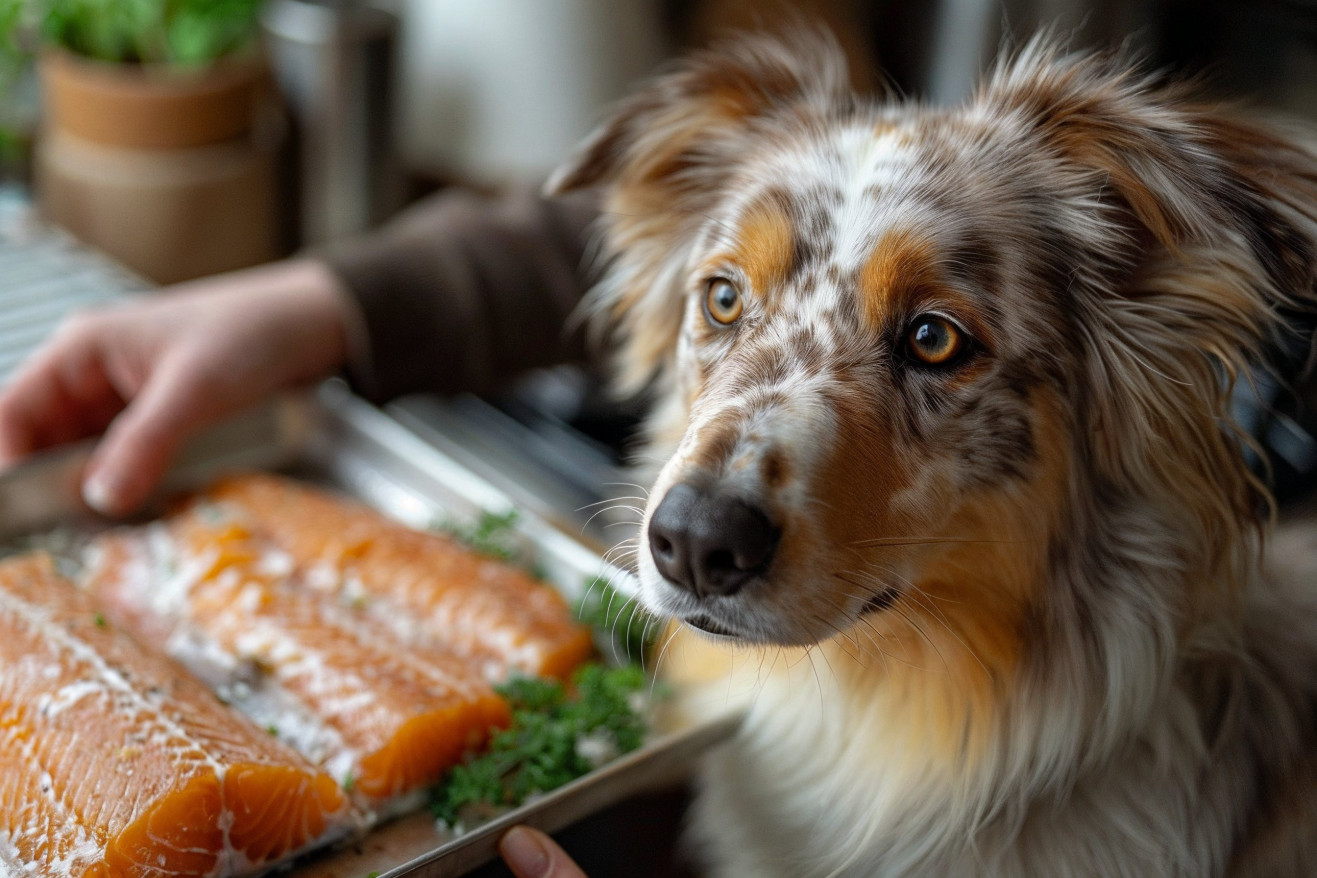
[(179, 362), (530, 853), (142, 441), (60, 395)]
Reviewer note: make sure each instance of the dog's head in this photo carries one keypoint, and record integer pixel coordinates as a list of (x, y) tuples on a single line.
[(910, 361)]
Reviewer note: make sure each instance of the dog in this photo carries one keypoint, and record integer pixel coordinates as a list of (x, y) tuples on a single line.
[(945, 453)]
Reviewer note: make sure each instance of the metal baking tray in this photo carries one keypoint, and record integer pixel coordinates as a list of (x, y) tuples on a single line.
[(337, 440)]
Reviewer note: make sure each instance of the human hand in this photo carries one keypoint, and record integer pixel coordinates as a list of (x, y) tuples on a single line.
[(153, 371), (530, 853)]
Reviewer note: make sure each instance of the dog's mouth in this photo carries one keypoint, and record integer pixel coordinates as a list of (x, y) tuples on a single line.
[(702, 622), (709, 626)]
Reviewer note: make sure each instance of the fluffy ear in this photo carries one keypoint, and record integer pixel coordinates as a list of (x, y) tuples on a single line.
[(1197, 237), (664, 157), (688, 119), (1188, 173)]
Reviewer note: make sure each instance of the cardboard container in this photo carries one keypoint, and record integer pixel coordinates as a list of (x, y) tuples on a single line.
[(170, 215), (170, 171)]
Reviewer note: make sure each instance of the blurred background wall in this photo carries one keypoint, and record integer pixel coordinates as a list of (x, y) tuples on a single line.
[(502, 88), (390, 99)]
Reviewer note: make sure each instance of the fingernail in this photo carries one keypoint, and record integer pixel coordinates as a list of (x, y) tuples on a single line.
[(524, 853), (100, 494)]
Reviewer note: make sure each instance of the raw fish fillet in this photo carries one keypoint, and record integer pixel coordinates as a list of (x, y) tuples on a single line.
[(116, 762), (383, 718), (427, 588)]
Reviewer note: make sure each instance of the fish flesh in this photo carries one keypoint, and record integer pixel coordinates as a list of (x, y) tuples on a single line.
[(114, 761), (427, 587), (384, 720)]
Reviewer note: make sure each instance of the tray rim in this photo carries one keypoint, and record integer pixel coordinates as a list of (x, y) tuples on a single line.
[(302, 419)]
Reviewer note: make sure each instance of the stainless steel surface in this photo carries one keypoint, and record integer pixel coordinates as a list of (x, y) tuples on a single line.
[(336, 439), (413, 846), (550, 468), (334, 62), (44, 274)]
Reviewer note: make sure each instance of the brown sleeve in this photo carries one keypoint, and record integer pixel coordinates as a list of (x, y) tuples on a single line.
[(463, 291)]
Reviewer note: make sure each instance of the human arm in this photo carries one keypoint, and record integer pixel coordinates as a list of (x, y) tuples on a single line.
[(459, 293), (152, 371)]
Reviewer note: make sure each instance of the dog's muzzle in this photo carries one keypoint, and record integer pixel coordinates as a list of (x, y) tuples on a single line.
[(708, 542)]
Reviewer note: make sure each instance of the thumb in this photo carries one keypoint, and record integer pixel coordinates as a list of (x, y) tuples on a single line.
[(142, 441), (530, 853)]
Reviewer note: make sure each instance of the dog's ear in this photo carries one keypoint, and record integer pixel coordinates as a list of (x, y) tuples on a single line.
[(665, 157), (1190, 174), (1194, 236), (687, 120)]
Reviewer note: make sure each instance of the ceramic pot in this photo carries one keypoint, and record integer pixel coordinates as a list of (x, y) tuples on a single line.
[(170, 171)]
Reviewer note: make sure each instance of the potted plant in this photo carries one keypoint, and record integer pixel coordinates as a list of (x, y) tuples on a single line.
[(15, 121), (152, 144)]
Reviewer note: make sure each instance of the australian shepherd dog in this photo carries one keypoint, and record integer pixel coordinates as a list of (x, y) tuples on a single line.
[(944, 449)]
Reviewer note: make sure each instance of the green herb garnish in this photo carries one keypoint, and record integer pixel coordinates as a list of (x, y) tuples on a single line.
[(556, 736), (631, 627), (99, 619), (348, 782), (493, 534)]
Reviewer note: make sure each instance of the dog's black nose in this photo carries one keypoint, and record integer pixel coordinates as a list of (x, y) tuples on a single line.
[(709, 543)]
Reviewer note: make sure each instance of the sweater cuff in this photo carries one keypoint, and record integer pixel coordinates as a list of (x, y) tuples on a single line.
[(462, 292)]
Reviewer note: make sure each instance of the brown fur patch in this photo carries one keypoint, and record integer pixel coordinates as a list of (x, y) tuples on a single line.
[(715, 446), (900, 262), (954, 640), (775, 469), (1085, 148), (765, 245)]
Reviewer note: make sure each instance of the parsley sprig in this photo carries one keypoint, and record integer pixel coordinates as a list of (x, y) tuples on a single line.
[(493, 534), (557, 735)]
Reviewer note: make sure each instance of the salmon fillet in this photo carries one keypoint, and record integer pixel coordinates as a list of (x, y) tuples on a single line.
[(331, 681), (427, 588), (115, 762)]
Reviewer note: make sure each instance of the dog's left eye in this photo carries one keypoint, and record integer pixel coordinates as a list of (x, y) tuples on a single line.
[(935, 340), (723, 302)]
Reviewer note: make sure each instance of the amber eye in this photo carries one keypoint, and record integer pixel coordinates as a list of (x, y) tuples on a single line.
[(935, 340), (723, 301)]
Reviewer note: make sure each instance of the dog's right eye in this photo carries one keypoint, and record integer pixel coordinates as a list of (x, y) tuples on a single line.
[(935, 341), (723, 302)]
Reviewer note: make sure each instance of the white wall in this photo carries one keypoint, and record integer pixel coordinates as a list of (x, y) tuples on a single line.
[(500, 89)]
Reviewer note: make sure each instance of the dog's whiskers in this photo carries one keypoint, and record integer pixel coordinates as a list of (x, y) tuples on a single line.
[(615, 507), (818, 683), (923, 601), (641, 488), (610, 500)]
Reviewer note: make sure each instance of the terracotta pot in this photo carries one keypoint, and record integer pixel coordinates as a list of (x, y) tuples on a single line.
[(170, 171), (152, 106)]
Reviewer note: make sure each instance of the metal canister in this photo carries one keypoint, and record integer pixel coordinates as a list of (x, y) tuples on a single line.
[(334, 62)]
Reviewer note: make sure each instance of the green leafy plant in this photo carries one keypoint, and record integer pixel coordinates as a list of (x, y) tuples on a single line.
[(557, 735), (177, 32), (11, 53), (13, 61)]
